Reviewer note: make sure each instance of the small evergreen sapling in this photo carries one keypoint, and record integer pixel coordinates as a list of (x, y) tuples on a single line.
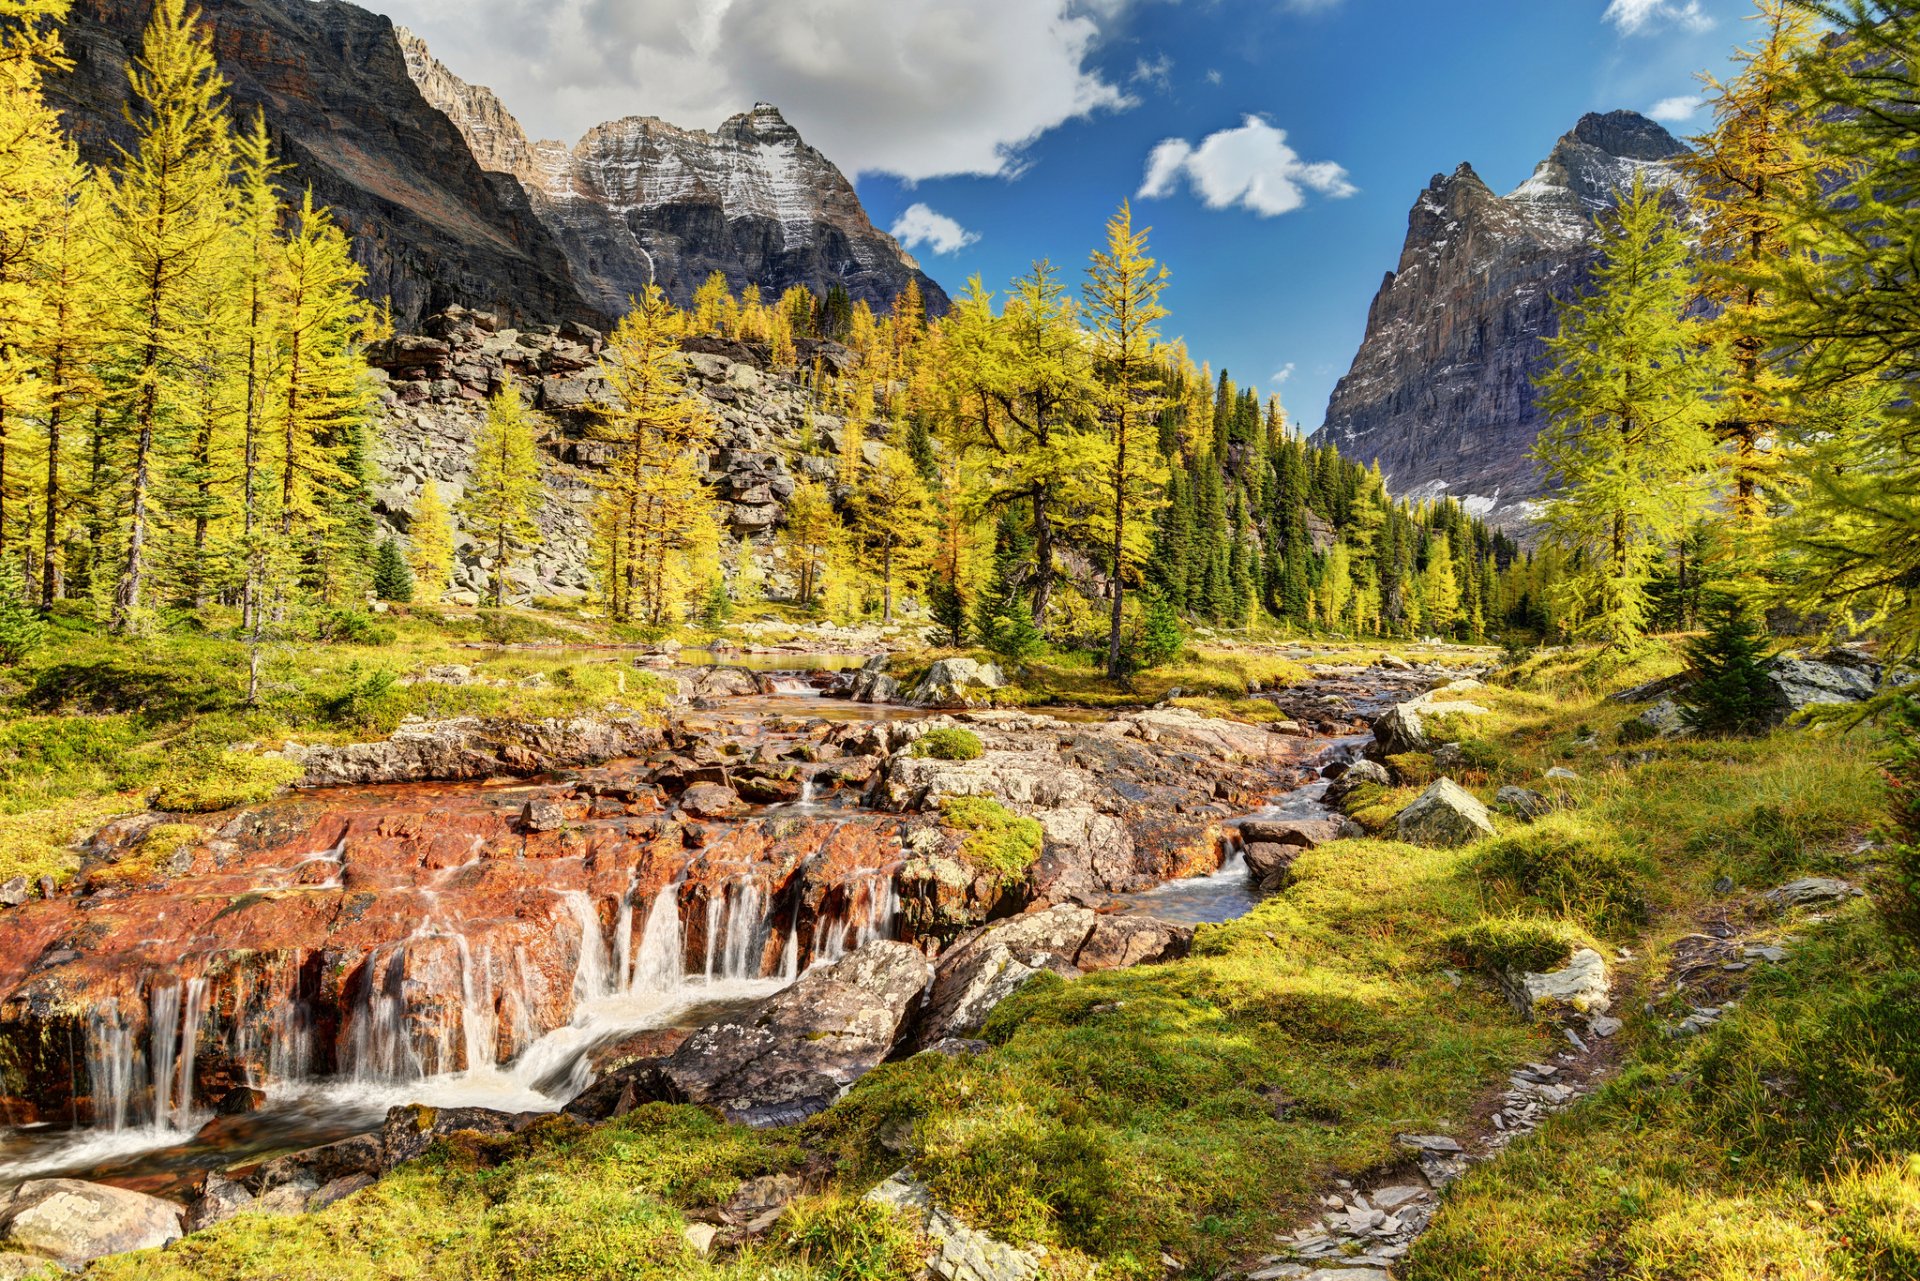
[(1161, 635), (392, 578), (1898, 891), (1730, 693), (21, 629)]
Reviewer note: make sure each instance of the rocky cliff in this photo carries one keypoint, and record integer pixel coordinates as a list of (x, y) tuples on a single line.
[(640, 200), (428, 223), (1441, 392)]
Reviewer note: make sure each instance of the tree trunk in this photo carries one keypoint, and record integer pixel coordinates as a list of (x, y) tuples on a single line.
[(51, 587), (1119, 540), (886, 582), (126, 597)]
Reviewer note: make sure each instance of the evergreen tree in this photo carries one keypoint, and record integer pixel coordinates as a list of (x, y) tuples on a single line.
[(1625, 397), (808, 536), (256, 263), (1124, 311), (392, 579), (891, 511), (21, 628), (1730, 693), (170, 204), (503, 493), (430, 545)]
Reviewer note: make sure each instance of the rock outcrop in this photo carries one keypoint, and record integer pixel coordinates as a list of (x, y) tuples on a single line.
[(1444, 815), (71, 1223), (640, 201), (428, 224), (1441, 393)]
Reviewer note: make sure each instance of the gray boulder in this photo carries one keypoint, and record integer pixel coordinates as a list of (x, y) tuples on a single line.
[(1309, 833), (1400, 730), (1580, 989), (1523, 803), (1664, 719), (1445, 815), (957, 682), (795, 1052), (1270, 866), (872, 684), (959, 1253), (1809, 892), (74, 1223), (1358, 775), (1839, 677)]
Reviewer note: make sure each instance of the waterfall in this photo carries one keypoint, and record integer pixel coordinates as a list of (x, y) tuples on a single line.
[(745, 939), (660, 966), (623, 938), (479, 1027), (117, 1072), (382, 1051), (1233, 853), (110, 1065), (871, 912), (591, 979)]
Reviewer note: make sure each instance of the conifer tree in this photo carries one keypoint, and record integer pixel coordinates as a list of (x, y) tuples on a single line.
[(1730, 693), (655, 509), (891, 510), (1625, 397), (170, 203), (255, 237), (70, 277), (430, 545), (503, 492), (808, 536), (392, 579), (1124, 311)]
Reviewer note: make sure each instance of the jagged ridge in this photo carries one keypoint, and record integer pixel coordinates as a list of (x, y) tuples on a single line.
[(1441, 391)]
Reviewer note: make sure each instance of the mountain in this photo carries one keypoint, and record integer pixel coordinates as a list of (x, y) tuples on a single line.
[(1441, 392), (639, 199), (428, 224)]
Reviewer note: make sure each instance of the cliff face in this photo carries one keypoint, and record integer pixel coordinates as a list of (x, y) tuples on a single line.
[(639, 199), (429, 225), (1441, 392)]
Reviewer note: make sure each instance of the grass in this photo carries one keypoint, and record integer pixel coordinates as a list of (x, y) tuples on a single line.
[(949, 745), (997, 841)]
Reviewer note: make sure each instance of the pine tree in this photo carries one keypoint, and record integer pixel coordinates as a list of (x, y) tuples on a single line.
[(170, 205), (655, 509), (392, 579), (1730, 693), (1124, 311), (1625, 395), (430, 545), (503, 493)]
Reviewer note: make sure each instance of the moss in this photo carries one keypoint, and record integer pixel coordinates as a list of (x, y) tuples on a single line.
[(149, 860), (949, 744), (1413, 769), (849, 1239), (997, 841), (222, 782), (40, 843), (1497, 944)]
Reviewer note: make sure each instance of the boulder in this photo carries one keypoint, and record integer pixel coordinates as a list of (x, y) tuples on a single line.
[(1580, 990), (872, 684), (1663, 719), (1839, 677), (474, 747), (1357, 775), (1523, 803), (1445, 815), (795, 1052), (1270, 866), (1309, 833), (408, 1132), (14, 892), (543, 814), (1121, 942), (1400, 731), (957, 682), (710, 800), (1035, 780), (74, 1223), (959, 1253), (986, 966)]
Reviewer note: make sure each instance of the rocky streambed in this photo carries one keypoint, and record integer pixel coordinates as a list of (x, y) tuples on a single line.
[(498, 920)]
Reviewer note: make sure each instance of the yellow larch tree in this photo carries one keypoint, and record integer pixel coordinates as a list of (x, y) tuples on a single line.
[(503, 490), (430, 545)]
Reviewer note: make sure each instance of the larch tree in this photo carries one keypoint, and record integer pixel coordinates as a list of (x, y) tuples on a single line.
[(1625, 394), (503, 491), (170, 204), (430, 545), (1848, 322), (656, 515), (1749, 170), (1124, 312), (256, 234), (808, 537), (892, 519)]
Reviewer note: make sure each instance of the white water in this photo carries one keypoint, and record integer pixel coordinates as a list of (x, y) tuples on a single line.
[(872, 912)]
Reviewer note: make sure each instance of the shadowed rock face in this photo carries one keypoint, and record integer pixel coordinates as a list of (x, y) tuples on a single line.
[(1441, 392), (641, 200), (431, 228)]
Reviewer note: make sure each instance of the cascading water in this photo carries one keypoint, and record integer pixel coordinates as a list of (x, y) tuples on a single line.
[(871, 911)]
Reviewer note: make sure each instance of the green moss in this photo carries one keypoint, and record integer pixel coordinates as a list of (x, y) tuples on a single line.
[(849, 1239), (997, 841), (1496, 944), (222, 782), (1412, 769), (949, 744)]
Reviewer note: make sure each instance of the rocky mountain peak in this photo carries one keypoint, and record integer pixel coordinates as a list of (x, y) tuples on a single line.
[(639, 200), (1441, 392)]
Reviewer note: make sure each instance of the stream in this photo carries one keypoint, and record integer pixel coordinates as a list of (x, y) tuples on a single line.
[(510, 985)]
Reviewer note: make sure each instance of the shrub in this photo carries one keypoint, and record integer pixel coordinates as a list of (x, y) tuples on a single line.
[(1573, 872), (1495, 944), (223, 781), (851, 1240), (1729, 694), (351, 627), (997, 840), (949, 745), (362, 702), (21, 629), (1161, 635), (1899, 886), (1011, 635), (717, 608)]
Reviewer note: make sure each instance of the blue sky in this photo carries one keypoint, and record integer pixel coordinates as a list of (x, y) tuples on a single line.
[(1006, 130), (1392, 91)]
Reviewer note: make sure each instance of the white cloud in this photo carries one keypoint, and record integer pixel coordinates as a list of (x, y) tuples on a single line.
[(1282, 375), (1214, 77), (1251, 166), (920, 225), (1635, 16), (1154, 74), (915, 88), (1677, 109)]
